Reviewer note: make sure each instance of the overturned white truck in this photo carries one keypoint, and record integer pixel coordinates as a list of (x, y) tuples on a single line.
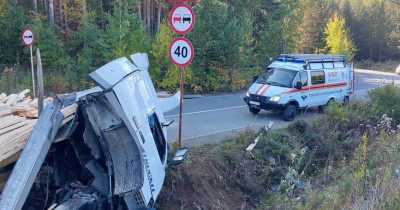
[(113, 155)]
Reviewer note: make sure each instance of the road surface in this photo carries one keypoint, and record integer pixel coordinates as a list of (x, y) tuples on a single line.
[(214, 118)]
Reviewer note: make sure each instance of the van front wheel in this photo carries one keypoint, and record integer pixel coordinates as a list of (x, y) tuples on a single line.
[(290, 112), (254, 110)]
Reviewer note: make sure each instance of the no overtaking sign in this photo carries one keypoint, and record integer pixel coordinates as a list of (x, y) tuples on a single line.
[(181, 18), (28, 37)]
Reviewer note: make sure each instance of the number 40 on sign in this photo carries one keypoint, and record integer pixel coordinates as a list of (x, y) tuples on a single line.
[(181, 52)]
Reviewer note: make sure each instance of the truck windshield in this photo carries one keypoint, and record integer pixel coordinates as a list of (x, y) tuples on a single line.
[(277, 77)]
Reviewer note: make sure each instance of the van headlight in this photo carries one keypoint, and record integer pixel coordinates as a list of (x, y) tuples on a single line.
[(275, 98), (247, 94)]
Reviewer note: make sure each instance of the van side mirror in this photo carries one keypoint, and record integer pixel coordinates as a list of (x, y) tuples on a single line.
[(298, 85), (179, 157), (255, 78)]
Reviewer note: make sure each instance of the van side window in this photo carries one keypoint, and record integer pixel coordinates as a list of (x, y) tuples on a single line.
[(158, 136), (317, 77), (303, 78)]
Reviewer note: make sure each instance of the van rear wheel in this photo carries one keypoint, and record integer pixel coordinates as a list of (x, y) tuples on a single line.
[(290, 112), (254, 110)]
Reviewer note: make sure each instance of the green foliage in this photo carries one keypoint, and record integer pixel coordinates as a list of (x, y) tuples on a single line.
[(56, 63), (338, 40), (312, 27), (165, 75), (218, 47), (125, 33), (93, 50), (12, 22), (386, 100), (232, 39)]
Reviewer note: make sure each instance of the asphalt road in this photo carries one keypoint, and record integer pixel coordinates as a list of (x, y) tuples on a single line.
[(214, 118)]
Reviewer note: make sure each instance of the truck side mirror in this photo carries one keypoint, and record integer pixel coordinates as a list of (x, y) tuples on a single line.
[(298, 85), (167, 123), (179, 157), (255, 78)]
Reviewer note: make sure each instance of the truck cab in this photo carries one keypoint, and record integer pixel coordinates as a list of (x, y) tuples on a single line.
[(300, 81), (112, 154)]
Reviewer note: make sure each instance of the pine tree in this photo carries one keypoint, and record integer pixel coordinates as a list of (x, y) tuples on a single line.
[(337, 38)]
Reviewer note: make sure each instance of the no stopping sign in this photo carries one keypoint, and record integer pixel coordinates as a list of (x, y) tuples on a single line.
[(181, 52)]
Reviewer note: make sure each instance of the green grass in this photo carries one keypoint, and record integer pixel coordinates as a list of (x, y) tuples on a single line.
[(387, 66)]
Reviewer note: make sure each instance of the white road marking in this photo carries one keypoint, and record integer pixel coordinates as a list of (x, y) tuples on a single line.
[(223, 131), (210, 110)]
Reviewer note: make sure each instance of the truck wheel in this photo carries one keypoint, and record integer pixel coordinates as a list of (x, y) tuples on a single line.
[(290, 112), (254, 110)]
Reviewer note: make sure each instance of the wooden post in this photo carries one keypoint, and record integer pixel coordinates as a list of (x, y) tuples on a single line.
[(180, 109), (40, 81)]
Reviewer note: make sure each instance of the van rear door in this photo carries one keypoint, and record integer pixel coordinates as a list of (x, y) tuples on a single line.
[(350, 73)]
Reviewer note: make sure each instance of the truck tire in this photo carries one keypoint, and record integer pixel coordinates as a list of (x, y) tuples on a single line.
[(290, 113), (254, 110)]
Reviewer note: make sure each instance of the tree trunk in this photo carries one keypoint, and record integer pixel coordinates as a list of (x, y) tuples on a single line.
[(34, 5), (65, 14), (45, 7), (159, 14), (84, 8), (51, 12), (139, 9), (60, 14), (148, 18), (102, 15), (152, 17)]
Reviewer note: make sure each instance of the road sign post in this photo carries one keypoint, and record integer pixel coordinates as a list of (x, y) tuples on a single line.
[(181, 50), (28, 37)]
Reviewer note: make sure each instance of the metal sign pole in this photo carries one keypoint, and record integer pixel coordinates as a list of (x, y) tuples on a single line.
[(180, 109), (33, 75)]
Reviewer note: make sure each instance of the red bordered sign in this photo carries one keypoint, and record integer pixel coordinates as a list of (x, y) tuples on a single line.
[(181, 52), (181, 18), (28, 37)]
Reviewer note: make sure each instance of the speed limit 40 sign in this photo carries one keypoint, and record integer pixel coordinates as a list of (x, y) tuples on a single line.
[(181, 52)]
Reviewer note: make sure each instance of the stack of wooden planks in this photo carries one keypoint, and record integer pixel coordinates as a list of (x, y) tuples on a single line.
[(18, 116)]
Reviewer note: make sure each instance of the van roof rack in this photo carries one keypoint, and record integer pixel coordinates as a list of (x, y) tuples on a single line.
[(311, 58)]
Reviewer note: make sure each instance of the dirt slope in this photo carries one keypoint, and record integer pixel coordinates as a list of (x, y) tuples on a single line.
[(202, 182)]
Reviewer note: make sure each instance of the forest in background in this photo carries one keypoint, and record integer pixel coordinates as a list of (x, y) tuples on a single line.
[(233, 39)]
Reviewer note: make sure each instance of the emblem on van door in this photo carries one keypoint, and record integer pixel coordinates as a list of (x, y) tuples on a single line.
[(304, 97)]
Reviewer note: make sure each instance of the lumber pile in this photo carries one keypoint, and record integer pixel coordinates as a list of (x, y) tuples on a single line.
[(18, 116)]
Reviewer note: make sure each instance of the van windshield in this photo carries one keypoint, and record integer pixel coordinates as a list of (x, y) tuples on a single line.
[(277, 77)]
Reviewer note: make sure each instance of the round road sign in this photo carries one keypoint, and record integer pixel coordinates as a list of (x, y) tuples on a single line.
[(181, 52), (181, 18), (28, 37)]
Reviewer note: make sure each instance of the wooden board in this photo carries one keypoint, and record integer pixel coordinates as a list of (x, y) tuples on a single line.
[(2, 96), (12, 127), (11, 120), (18, 117), (69, 110), (16, 135)]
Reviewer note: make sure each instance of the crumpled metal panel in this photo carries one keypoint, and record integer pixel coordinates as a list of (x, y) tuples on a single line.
[(117, 144)]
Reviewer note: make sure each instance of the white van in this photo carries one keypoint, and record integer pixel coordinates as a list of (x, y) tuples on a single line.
[(300, 81)]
